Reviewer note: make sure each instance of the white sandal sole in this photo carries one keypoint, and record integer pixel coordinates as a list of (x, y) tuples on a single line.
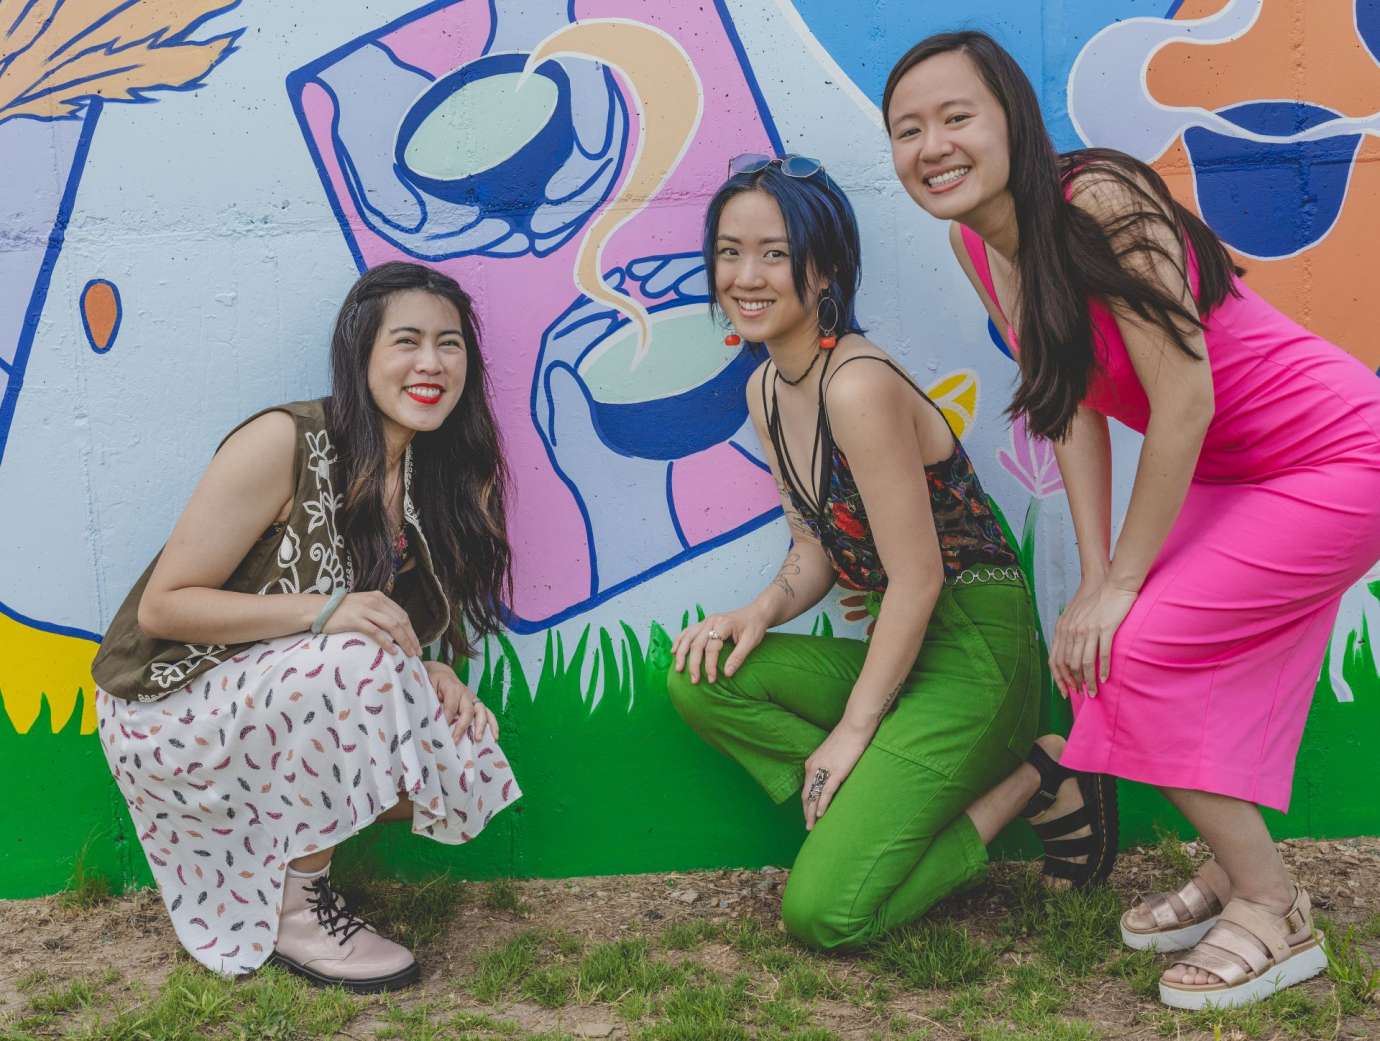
[(1168, 940), (1295, 969)]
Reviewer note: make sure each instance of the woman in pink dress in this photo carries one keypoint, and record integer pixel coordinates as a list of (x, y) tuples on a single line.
[(1192, 647)]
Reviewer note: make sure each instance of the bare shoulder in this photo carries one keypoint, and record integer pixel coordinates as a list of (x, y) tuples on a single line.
[(869, 383), (258, 458), (267, 439)]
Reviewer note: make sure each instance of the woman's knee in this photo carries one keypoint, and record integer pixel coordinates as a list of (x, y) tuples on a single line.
[(816, 918)]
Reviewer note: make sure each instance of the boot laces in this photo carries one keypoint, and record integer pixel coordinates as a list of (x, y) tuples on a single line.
[(333, 914)]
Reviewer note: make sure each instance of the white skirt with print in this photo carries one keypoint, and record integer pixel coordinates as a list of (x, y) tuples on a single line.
[(288, 748)]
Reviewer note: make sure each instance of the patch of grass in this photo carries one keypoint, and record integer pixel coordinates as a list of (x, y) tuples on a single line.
[(1351, 968), (1033, 993), (499, 970), (1172, 859), (1079, 929), (1370, 928), (611, 971), (76, 995), (699, 1011), (549, 987), (1141, 970), (781, 1016), (32, 980), (933, 955), (686, 936), (86, 889), (752, 939), (193, 1004), (503, 895), (428, 1022), (1047, 1030), (414, 914), (1290, 1013)]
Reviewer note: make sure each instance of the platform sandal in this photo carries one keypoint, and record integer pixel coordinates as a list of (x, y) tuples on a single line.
[(1098, 814), (1253, 954), (1180, 919)]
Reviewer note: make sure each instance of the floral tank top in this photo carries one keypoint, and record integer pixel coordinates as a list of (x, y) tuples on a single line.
[(970, 536)]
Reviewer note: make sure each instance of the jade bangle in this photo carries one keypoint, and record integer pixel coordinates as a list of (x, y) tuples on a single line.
[(328, 610)]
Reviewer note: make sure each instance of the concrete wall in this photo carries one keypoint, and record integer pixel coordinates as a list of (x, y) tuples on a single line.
[(189, 189)]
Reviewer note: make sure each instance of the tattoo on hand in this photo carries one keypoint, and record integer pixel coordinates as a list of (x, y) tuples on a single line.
[(789, 570)]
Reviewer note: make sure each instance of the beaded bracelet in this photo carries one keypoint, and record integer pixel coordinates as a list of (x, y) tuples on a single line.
[(326, 612)]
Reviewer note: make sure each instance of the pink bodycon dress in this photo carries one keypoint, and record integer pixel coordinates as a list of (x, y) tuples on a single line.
[(1213, 670)]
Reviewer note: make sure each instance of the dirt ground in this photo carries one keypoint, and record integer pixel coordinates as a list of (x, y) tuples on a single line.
[(132, 936)]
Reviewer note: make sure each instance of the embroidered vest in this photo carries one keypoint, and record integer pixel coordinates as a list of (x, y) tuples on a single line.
[(304, 554)]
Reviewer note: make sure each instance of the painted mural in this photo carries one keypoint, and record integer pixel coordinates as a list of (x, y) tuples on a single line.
[(177, 268)]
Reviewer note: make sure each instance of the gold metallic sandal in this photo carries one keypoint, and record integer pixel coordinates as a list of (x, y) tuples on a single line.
[(1181, 919), (1253, 954)]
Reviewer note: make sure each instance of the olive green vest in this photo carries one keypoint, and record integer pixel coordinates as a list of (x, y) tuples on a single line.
[(304, 554)]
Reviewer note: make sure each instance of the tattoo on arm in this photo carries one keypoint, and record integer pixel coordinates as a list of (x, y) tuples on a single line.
[(790, 569), (891, 698)]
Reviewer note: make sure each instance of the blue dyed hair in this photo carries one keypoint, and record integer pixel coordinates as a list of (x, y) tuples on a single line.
[(820, 230)]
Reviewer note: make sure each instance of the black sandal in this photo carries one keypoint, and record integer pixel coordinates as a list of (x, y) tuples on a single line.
[(1098, 814)]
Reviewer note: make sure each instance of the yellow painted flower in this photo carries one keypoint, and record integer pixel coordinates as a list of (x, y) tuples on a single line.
[(957, 397)]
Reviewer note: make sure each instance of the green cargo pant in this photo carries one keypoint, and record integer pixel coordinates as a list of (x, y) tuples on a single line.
[(895, 839)]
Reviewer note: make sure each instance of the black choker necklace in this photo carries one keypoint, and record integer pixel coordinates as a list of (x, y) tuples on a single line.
[(792, 382)]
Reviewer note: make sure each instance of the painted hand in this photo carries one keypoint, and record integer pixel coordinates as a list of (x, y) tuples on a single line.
[(1081, 657), (828, 767), (699, 645)]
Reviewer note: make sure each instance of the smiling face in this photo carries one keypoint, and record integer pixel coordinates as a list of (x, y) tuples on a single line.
[(949, 138), (753, 283), (417, 364)]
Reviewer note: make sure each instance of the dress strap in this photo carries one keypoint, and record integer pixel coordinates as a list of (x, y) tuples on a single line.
[(977, 252), (812, 500)]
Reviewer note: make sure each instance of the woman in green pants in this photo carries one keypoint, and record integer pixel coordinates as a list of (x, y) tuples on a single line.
[(906, 751)]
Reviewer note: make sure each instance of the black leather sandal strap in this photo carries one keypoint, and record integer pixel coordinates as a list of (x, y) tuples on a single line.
[(1064, 849), (1051, 776), (1063, 825), (1076, 873)]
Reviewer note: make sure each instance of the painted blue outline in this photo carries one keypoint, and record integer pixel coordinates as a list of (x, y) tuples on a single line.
[(295, 84), (86, 322), (527, 627), (47, 627), (137, 95), (298, 79), (749, 77), (1174, 8), (29, 329), (749, 456), (671, 505)]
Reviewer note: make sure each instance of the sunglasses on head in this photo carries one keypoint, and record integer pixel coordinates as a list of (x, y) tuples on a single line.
[(791, 165)]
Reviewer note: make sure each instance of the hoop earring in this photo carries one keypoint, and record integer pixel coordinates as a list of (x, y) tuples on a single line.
[(827, 340)]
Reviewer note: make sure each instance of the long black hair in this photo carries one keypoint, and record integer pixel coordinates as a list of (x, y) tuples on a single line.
[(821, 230), (460, 482), (1064, 255)]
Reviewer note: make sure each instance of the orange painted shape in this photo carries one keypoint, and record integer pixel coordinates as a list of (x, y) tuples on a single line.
[(1301, 50), (100, 309), (1329, 288)]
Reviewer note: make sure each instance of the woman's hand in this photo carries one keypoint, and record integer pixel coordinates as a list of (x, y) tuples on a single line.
[(376, 616), (699, 645), (463, 710), (1081, 657), (828, 767)]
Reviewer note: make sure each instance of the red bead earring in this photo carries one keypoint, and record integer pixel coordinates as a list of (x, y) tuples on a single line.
[(732, 340), (827, 340)]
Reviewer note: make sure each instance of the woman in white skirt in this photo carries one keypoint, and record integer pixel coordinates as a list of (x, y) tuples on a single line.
[(261, 692)]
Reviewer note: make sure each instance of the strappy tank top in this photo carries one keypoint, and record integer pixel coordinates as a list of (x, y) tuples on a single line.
[(971, 541)]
